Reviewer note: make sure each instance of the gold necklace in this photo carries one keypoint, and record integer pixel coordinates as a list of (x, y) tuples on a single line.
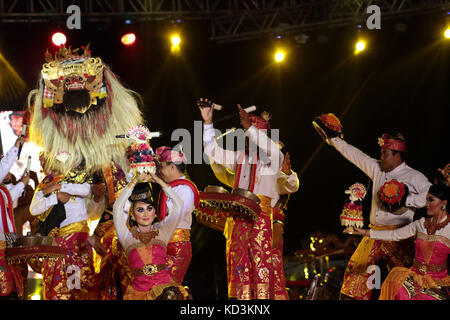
[(433, 227), (144, 237)]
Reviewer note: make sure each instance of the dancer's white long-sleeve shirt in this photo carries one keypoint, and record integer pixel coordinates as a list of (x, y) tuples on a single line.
[(165, 227), (75, 207), (16, 191), (417, 183), (187, 196), (415, 228), (266, 174)]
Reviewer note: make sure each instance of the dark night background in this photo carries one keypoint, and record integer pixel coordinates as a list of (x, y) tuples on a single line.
[(400, 83)]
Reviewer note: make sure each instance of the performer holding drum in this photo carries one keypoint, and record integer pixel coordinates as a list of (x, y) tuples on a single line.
[(249, 243), (397, 191)]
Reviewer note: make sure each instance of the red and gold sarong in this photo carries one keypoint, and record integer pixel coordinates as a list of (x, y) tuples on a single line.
[(279, 291), (113, 271), (71, 277), (248, 253), (179, 254), (371, 252), (10, 275)]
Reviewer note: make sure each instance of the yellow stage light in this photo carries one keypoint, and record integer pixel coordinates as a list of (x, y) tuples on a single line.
[(447, 33), (175, 40), (360, 46), (279, 56)]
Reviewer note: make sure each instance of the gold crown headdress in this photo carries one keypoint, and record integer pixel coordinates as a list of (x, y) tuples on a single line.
[(68, 62)]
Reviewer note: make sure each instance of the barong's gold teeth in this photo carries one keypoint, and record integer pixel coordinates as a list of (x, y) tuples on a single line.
[(80, 109)]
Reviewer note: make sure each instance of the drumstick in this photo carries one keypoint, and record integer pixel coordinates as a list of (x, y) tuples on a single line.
[(216, 106), (248, 110), (223, 135), (27, 170)]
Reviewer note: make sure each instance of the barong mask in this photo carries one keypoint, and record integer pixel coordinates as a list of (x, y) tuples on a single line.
[(78, 108), (73, 82)]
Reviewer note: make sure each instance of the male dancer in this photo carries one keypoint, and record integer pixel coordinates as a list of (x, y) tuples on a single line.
[(370, 252), (249, 243), (172, 171)]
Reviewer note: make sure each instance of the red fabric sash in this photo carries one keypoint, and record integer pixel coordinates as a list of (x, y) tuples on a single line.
[(162, 199), (10, 210), (251, 184)]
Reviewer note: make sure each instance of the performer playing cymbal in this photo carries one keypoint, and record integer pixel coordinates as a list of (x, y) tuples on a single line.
[(249, 243)]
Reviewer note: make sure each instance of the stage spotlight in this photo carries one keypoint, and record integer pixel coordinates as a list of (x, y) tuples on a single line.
[(279, 56), (59, 39), (175, 40), (128, 39), (360, 46), (447, 33), (36, 296)]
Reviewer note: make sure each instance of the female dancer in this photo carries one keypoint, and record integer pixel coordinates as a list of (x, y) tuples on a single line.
[(146, 242), (427, 279)]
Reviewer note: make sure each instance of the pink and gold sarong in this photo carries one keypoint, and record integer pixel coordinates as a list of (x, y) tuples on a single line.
[(427, 279), (149, 287), (71, 277)]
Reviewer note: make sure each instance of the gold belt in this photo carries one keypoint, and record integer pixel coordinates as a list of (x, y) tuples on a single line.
[(181, 235), (148, 270), (81, 226), (424, 267), (385, 227)]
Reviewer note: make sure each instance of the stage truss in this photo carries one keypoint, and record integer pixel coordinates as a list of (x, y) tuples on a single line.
[(230, 20)]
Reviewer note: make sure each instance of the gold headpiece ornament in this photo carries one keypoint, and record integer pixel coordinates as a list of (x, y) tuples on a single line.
[(141, 196)]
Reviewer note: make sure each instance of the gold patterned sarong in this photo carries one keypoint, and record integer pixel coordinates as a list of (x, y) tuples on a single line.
[(371, 252)]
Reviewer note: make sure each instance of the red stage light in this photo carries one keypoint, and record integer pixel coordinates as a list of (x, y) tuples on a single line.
[(59, 39), (128, 39)]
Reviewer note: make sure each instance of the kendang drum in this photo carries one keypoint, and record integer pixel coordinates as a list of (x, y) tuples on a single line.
[(217, 204)]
